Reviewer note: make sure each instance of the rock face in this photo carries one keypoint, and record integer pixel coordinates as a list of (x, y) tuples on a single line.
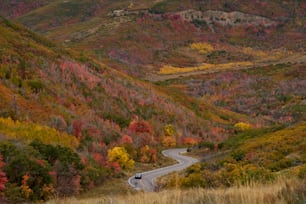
[(235, 18), (123, 12)]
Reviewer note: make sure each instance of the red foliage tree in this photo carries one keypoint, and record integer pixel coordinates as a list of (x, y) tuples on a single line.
[(3, 178), (115, 167), (99, 158), (77, 128), (140, 127), (142, 133), (127, 139)]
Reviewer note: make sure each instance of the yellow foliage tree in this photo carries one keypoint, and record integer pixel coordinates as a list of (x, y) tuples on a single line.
[(241, 126), (30, 131), (202, 48), (120, 155), (169, 130)]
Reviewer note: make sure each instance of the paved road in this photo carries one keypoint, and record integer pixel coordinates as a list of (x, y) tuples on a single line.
[(148, 177)]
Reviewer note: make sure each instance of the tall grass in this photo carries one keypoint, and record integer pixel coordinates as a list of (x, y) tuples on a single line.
[(282, 191)]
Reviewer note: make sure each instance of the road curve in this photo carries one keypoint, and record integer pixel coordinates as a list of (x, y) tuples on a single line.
[(148, 177)]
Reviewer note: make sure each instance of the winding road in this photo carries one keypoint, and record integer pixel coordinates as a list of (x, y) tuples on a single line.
[(148, 177)]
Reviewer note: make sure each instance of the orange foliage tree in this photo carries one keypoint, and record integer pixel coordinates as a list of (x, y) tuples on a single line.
[(25, 189), (169, 141), (148, 154), (189, 141)]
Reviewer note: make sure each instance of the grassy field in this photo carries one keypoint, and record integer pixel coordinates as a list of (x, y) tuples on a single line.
[(282, 191)]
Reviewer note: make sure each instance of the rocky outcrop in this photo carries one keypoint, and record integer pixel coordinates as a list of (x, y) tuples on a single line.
[(235, 18), (123, 12)]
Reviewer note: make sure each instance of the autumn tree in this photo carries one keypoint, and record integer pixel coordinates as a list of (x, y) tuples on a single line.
[(26, 191), (126, 139), (127, 143), (66, 164), (142, 132), (140, 127), (189, 141), (168, 139), (148, 154), (77, 126), (3, 178), (120, 155), (241, 126), (27, 172), (169, 130)]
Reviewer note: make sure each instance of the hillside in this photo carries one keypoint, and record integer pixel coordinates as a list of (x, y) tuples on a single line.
[(162, 40), (253, 156), (273, 93), (57, 100), (14, 9), (38, 74), (141, 37)]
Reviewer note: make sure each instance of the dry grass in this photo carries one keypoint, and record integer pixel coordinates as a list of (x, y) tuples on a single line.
[(280, 192), (168, 69)]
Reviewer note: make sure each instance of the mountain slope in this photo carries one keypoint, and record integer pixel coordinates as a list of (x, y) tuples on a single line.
[(63, 113), (141, 37), (14, 9), (41, 75)]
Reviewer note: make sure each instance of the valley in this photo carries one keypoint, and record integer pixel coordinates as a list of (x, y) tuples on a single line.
[(92, 92)]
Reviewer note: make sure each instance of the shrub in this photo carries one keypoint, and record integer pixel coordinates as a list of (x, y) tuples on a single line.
[(241, 126), (202, 48), (117, 118), (302, 172), (238, 155), (208, 145), (199, 23), (193, 180)]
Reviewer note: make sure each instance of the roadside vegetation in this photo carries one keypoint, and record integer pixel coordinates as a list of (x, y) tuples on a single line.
[(262, 156), (282, 192)]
